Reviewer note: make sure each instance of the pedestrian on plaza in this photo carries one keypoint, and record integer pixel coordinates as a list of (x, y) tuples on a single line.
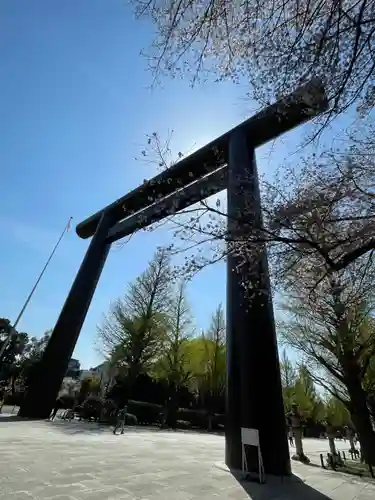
[(120, 420), (55, 409), (290, 436), (2, 399)]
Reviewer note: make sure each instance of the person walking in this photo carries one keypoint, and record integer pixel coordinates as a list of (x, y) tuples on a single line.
[(2, 399), (55, 409), (290, 436), (120, 424)]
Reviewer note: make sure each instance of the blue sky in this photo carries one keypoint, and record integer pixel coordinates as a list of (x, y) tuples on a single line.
[(76, 103)]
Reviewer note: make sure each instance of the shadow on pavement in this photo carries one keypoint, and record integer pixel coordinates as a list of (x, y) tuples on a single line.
[(71, 427), (291, 488), (74, 427), (16, 418)]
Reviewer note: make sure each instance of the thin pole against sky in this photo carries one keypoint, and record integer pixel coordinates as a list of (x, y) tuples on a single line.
[(13, 328)]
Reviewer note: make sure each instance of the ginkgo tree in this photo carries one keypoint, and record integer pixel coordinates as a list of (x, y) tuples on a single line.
[(299, 388), (331, 326), (210, 371), (133, 333), (172, 365), (336, 413)]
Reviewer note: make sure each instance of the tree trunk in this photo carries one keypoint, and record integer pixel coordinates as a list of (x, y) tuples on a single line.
[(362, 420), (13, 386), (210, 417), (371, 405), (332, 446), (172, 407), (298, 442), (352, 444)]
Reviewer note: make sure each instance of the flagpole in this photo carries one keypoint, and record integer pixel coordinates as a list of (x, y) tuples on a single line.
[(13, 328)]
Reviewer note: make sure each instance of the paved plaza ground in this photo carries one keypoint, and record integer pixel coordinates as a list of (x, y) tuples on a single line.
[(84, 461)]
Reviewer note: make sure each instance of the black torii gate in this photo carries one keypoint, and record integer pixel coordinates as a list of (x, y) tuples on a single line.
[(254, 393)]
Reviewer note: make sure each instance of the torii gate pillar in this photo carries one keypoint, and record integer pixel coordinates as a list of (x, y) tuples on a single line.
[(254, 393)]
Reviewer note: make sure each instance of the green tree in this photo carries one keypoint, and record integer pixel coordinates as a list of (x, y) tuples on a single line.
[(13, 351), (369, 384), (134, 331), (35, 347), (336, 413), (306, 397), (141, 345), (70, 387), (21, 355), (90, 386), (31, 355), (211, 373), (288, 380), (173, 364), (327, 324), (299, 389)]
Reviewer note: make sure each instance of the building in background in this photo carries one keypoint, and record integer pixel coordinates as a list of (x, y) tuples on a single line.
[(71, 383), (70, 387), (107, 375), (74, 368)]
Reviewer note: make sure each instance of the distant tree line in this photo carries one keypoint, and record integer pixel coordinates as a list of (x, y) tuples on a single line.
[(152, 346)]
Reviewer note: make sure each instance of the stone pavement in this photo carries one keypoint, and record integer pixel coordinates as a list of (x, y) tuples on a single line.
[(84, 461)]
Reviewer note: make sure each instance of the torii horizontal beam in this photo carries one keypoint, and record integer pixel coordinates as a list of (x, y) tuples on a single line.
[(201, 189), (300, 106)]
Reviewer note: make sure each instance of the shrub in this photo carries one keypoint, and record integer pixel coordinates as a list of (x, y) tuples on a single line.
[(146, 413), (66, 402), (109, 405), (79, 410), (183, 424), (14, 399), (131, 419), (109, 411), (218, 421), (200, 419), (196, 418), (92, 407)]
